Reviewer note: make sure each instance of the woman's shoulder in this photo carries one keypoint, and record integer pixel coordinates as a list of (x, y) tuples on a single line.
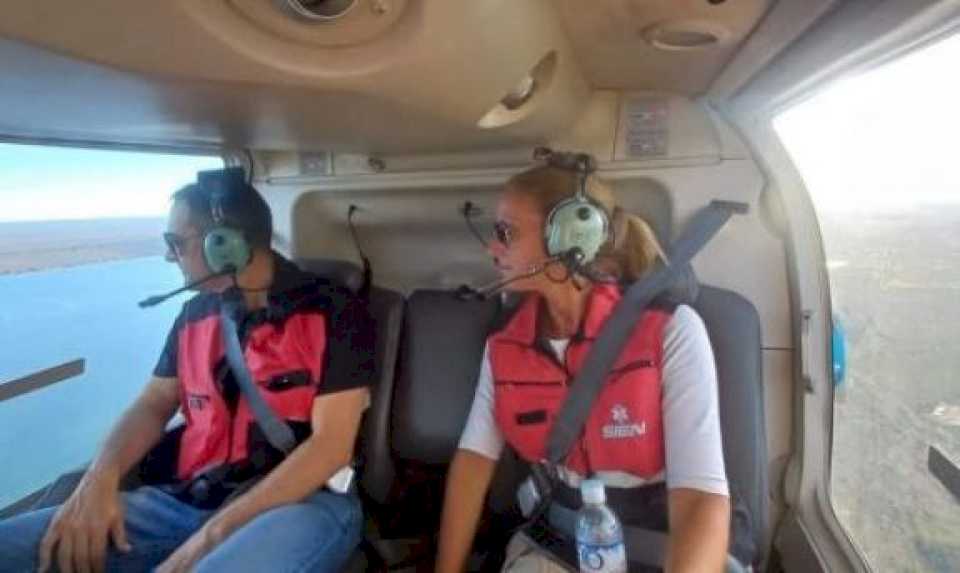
[(685, 316), (685, 333)]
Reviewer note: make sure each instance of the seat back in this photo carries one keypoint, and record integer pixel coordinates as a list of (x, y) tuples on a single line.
[(441, 350), (440, 353), (375, 462), (734, 328)]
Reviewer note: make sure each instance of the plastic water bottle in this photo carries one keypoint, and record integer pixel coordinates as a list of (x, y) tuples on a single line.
[(599, 535)]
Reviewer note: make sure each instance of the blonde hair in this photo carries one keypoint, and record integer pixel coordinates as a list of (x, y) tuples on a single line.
[(632, 248)]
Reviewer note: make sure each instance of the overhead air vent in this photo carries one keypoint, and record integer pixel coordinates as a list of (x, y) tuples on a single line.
[(520, 94), (522, 97), (684, 36), (321, 10)]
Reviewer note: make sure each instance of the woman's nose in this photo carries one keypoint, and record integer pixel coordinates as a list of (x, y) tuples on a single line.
[(496, 249)]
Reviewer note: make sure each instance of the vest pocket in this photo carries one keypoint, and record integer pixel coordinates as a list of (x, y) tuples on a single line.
[(525, 413), (531, 417), (287, 380)]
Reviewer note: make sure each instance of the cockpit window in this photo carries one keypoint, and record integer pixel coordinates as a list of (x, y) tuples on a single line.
[(878, 154)]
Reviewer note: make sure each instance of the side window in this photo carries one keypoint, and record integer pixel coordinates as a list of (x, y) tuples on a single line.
[(880, 159), (80, 244)]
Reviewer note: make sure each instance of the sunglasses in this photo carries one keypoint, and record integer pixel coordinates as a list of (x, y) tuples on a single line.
[(504, 232), (177, 243)]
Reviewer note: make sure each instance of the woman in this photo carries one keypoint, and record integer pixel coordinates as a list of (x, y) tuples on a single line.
[(656, 421)]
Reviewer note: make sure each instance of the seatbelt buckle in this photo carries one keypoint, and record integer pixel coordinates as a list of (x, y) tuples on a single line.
[(537, 490), (342, 481), (528, 497)]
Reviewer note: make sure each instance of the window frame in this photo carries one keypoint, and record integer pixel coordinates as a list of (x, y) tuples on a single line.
[(811, 536)]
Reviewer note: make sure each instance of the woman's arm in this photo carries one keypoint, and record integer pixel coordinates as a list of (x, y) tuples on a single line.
[(698, 502), (470, 475), (467, 484), (699, 523)]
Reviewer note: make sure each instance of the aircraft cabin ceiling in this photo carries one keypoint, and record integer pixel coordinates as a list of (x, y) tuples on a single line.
[(357, 75)]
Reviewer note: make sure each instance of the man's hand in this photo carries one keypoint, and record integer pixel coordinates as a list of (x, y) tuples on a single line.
[(78, 534), (193, 550)]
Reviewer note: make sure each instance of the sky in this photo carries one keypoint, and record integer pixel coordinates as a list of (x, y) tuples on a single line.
[(42, 183), (887, 138)]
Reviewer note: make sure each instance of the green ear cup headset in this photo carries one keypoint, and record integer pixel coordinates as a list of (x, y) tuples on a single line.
[(225, 247), (578, 226)]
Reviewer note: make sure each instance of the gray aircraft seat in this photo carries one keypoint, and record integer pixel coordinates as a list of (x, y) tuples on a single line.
[(734, 328), (441, 350), (375, 462), (440, 353), (440, 356)]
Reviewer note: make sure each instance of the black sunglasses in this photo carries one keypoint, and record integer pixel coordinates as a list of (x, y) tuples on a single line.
[(177, 243), (503, 232)]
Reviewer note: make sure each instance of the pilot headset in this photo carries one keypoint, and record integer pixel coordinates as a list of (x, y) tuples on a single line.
[(225, 246), (578, 226)]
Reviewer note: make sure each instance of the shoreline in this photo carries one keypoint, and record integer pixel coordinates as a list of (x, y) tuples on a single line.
[(36, 246)]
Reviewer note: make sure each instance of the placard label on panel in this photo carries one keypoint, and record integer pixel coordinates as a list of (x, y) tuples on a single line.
[(645, 128)]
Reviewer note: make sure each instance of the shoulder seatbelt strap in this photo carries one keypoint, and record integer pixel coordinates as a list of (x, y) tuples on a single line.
[(277, 432), (614, 333)]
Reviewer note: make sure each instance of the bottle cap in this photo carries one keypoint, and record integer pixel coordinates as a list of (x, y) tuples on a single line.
[(591, 490)]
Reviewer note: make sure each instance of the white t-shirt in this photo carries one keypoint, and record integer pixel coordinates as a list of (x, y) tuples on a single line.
[(691, 420)]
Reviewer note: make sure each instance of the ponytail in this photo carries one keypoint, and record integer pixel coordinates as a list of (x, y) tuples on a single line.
[(633, 249)]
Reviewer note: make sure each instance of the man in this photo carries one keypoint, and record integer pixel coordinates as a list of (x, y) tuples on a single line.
[(233, 502)]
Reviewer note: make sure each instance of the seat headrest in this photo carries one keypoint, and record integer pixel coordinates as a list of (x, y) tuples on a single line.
[(344, 272)]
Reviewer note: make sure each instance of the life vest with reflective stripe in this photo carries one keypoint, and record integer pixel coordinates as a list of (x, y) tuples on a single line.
[(624, 431), (285, 359)]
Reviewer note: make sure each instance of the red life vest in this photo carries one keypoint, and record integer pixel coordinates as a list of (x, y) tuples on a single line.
[(285, 359), (624, 431)]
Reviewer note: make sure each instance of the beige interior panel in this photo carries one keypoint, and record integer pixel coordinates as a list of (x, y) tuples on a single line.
[(608, 37), (744, 256), (411, 225), (695, 137), (778, 398), (391, 76), (416, 238), (191, 72)]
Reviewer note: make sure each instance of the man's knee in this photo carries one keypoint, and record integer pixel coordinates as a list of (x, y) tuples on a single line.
[(317, 534)]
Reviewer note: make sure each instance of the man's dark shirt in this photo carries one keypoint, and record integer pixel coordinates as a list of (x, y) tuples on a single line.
[(348, 356)]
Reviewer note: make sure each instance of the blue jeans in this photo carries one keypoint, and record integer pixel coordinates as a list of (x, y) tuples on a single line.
[(317, 534)]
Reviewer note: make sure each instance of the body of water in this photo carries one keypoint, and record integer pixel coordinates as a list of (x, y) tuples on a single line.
[(54, 316)]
